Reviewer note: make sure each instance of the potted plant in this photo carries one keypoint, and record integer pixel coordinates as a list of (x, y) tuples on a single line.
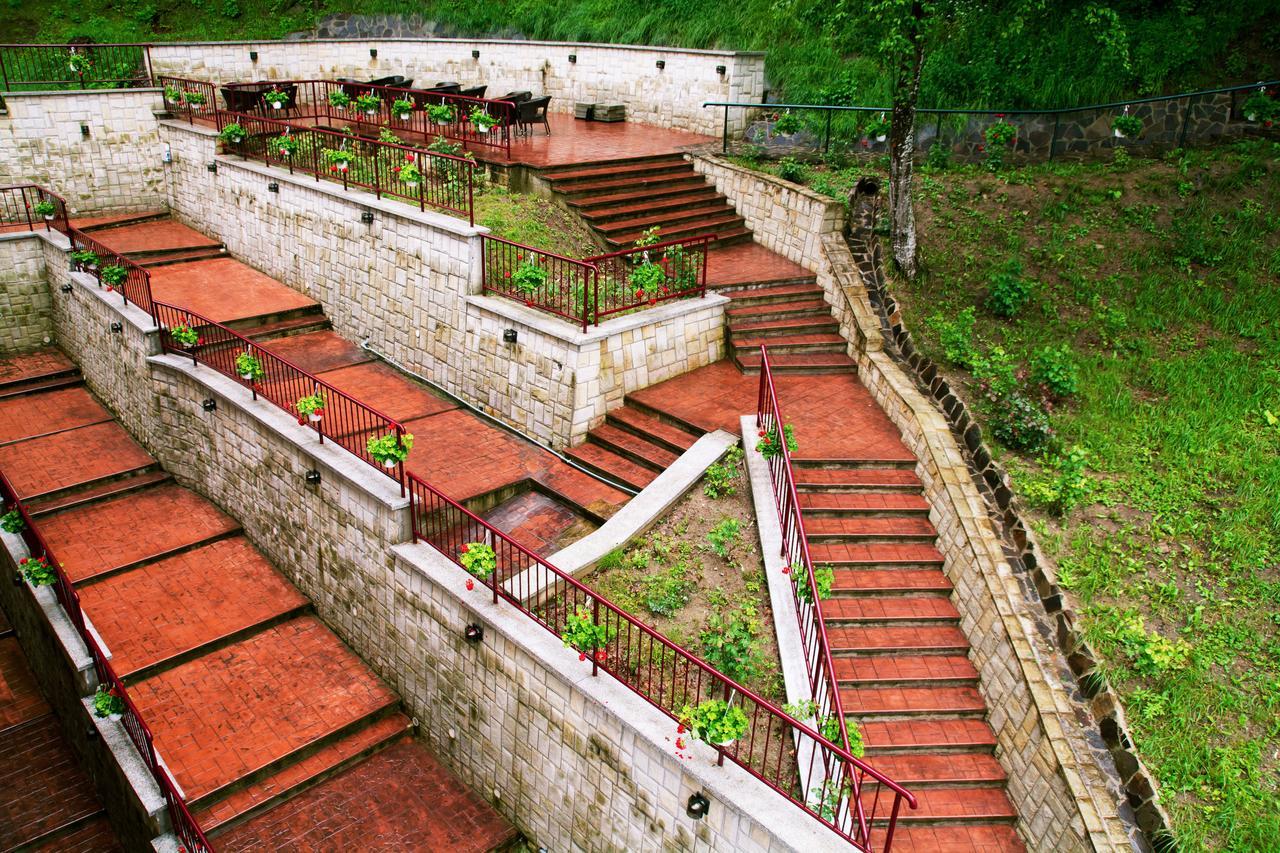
[(184, 336), (878, 128), (528, 278), (369, 104), (479, 559), (389, 451), (107, 703), (285, 144), (173, 95), (37, 571), (113, 275), (339, 159), (481, 120), (1125, 125), (339, 99), (770, 446), (441, 113), (193, 99), (78, 62), (582, 633), (277, 99), (84, 259), (11, 522), (1259, 107), (46, 209), (409, 173), (787, 124), (232, 134), (249, 366), (401, 108), (823, 578), (311, 407), (715, 721), (1001, 134)]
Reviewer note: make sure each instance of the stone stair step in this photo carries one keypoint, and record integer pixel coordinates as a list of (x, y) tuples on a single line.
[(33, 385), (742, 298), (904, 669), (912, 580), (947, 806), (925, 770), (891, 737), (725, 226), (124, 220), (666, 220), (289, 327), (895, 639), (817, 504), (906, 463), (100, 487), (294, 779), (814, 322), (605, 185), (611, 465), (643, 203), (629, 197), (912, 701), (869, 529), (636, 448), (894, 609), (639, 166), (180, 256), (665, 416), (797, 362), (796, 342), (957, 838), (673, 438), (870, 480), (248, 326), (105, 490)]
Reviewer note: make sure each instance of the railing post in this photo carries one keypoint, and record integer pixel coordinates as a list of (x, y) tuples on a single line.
[(595, 620), (1053, 140), (724, 132), (1186, 117), (400, 465), (146, 54), (826, 141)]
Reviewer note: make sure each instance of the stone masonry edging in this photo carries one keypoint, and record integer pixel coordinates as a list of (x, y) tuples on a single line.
[(1149, 825), (25, 323), (573, 765)]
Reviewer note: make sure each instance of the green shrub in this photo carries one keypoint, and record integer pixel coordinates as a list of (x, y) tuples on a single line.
[(1019, 423), (107, 702), (721, 478), (11, 522), (729, 644), (791, 169), (724, 536), (956, 336), (668, 591), (938, 158), (582, 633), (1055, 369), (1008, 292), (1152, 653), (1066, 489), (823, 578), (770, 445)]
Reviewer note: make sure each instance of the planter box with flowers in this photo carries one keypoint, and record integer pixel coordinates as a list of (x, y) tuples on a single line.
[(878, 128), (184, 336), (277, 99), (389, 452), (339, 100), (480, 560), (787, 124), (1126, 126), (441, 114), (1260, 107), (409, 174), (113, 276), (284, 145), (232, 134), (584, 635), (402, 108), (481, 120), (249, 366), (715, 722), (107, 703), (46, 209), (37, 571), (84, 259), (310, 408), (369, 104)]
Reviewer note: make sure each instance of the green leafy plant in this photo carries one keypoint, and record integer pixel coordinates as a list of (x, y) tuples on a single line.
[(113, 275), (441, 113), (479, 559), (583, 634), (529, 277), (368, 103), (233, 134), (724, 536), (385, 134), (409, 173), (183, 335), (310, 406), (1260, 107), (1054, 368), (826, 724), (714, 721), (648, 279), (1019, 423), (791, 169), (194, 99), (107, 702), (1002, 134), (722, 477), (666, 592), (787, 123), (172, 94), (1009, 291), (388, 450), (938, 157), (45, 208), (401, 108), (769, 445), (339, 99), (84, 259), (78, 62), (956, 336), (276, 98), (729, 643), (1152, 653), (249, 366), (285, 145), (11, 522), (37, 571), (1127, 126), (481, 120), (828, 800), (823, 578), (339, 159), (1066, 489), (878, 128)]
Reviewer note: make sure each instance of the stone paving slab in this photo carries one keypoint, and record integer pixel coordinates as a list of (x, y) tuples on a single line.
[(387, 390), (749, 263), (225, 290), (161, 235), (72, 458), (20, 697), (42, 787), (38, 414), (173, 606), (14, 368), (318, 352), (573, 142)]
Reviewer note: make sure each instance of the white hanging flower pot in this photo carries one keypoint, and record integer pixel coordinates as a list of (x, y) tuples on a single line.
[(1118, 133), (388, 463), (403, 116), (881, 138), (276, 105), (342, 167), (1251, 117), (410, 185), (482, 129), (314, 418), (246, 376), (48, 217), (371, 112)]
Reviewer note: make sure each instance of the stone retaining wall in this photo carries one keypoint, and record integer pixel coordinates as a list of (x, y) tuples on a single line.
[(116, 167), (408, 285), (668, 97), (25, 321)]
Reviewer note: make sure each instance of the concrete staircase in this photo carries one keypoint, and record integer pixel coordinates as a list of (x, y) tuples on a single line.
[(634, 445), (793, 319), (621, 199)]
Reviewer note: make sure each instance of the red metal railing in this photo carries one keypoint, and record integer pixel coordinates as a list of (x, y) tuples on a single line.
[(18, 209), (40, 67), (442, 180), (345, 421), (310, 100), (178, 97), (646, 275), (184, 824), (135, 288), (539, 279), (821, 777)]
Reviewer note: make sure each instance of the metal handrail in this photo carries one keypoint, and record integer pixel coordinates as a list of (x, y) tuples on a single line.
[(59, 223)]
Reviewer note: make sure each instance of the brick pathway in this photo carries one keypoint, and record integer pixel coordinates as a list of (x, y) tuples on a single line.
[(38, 414)]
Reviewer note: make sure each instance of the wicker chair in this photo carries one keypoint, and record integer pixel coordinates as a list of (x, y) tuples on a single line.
[(531, 112)]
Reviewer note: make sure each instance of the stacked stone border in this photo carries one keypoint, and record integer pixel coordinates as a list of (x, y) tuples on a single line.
[(1061, 779), (1021, 550)]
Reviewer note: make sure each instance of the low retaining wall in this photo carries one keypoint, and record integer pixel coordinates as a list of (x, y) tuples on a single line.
[(115, 166), (408, 286), (25, 321)]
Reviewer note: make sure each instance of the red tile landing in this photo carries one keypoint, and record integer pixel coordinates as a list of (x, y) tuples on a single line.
[(108, 219), (318, 352), (20, 697), (159, 236), (225, 715), (41, 362), (95, 836), (540, 523), (749, 263), (53, 411), (388, 391), (225, 290), (76, 457), (171, 607), (572, 141), (400, 799), (42, 787)]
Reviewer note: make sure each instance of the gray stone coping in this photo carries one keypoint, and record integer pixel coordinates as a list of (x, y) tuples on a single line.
[(564, 330), (424, 40), (73, 645), (131, 764), (44, 93)]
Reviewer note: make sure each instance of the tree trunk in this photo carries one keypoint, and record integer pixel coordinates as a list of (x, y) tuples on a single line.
[(902, 150)]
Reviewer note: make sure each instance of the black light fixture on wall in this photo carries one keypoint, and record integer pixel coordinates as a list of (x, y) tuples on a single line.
[(212, 167), (273, 187), (473, 633), (253, 56), (367, 217), (698, 806), (475, 54), (573, 57), (661, 63), (209, 404), (373, 53), (313, 477)]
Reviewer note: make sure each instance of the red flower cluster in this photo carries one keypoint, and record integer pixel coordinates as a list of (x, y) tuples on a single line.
[(470, 584)]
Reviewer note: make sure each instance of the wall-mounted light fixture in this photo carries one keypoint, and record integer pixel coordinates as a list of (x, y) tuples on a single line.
[(209, 404), (573, 57), (212, 167), (373, 53), (475, 54), (313, 477), (720, 69), (91, 733), (661, 63), (166, 154), (253, 56), (367, 217), (17, 578), (66, 288), (509, 336), (273, 187), (117, 328), (473, 633), (698, 806), (84, 130)]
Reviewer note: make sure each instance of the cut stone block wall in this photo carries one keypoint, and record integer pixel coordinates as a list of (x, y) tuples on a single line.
[(668, 97), (408, 285), (116, 167), (577, 763), (25, 320)]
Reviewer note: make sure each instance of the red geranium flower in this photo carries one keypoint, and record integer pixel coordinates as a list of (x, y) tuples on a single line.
[(301, 421), (786, 570), (680, 729), (582, 656), (470, 584), (679, 743), (465, 548), (600, 655), (640, 294)]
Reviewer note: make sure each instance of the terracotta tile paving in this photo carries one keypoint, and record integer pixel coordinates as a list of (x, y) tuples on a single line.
[(317, 352), (105, 535), (572, 141), (37, 414), (388, 391), (540, 523), (83, 222), (152, 613), (36, 363), (749, 263), (400, 799), (229, 713), (152, 237), (75, 457), (902, 668), (20, 696), (224, 289), (96, 836), (956, 838), (43, 786)]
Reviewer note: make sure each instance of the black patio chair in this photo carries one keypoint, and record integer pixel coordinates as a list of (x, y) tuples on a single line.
[(516, 97), (474, 92), (531, 112), (241, 99)]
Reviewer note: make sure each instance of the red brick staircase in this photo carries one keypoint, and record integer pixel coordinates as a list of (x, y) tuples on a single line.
[(621, 199), (793, 319)]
